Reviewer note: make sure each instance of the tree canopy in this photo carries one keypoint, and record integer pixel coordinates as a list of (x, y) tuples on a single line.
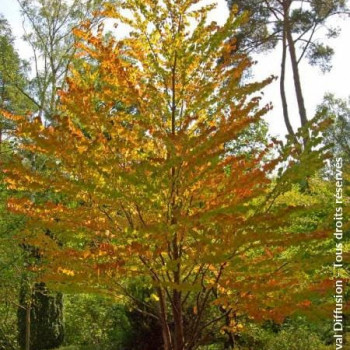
[(138, 179)]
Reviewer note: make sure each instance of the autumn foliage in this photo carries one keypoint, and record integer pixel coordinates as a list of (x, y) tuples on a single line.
[(136, 180)]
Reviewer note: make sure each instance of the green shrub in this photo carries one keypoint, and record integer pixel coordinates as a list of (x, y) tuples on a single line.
[(294, 339), (94, 321), (296, 334)]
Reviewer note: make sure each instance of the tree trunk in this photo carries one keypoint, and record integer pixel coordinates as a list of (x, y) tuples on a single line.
[(178, 321), (164, 322), (28, 310), (294, 62), (282, 87)]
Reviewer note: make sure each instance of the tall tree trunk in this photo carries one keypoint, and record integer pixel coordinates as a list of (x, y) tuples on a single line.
[(178, 343), (282, 87), (27, 327), (294, 62)]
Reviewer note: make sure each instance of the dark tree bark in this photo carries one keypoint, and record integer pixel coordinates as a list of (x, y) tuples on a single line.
[(294, 63), (27, 325), (282, 88)]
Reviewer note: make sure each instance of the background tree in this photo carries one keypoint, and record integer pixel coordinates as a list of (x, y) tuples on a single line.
[(339, 134), (48, 26), (13, 81), (12, 77), (295, 24), (48, 29), (33, 313), (12, 260), (338, 137)]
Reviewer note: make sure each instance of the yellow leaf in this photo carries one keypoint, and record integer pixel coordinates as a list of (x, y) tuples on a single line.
[(154, 297)]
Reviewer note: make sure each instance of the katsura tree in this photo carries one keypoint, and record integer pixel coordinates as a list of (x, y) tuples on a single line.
[(142, 182)]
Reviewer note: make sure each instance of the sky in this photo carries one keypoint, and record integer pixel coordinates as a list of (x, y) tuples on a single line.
[(315, 84)]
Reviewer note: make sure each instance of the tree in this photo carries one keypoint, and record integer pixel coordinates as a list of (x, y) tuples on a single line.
[(338, 135), (46, 326), (33, 312), (11, 267), (48, 26), (12, 80), (12, 77), (139, 181), (294, 23)]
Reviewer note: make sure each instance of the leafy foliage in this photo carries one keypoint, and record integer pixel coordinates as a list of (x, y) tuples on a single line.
[(48, 26), (12, 78), (295, 336), (338, 135), (139, 182), (267, 20)]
